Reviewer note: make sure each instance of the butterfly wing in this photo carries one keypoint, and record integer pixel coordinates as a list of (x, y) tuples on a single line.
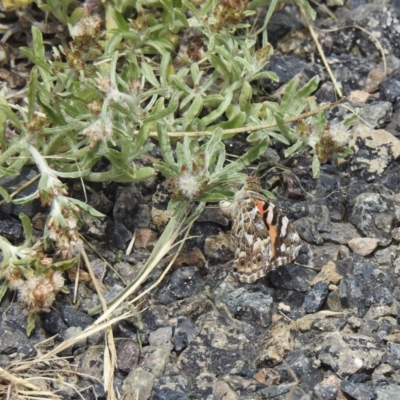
[(285, 241), (251, 242), (262, 236)]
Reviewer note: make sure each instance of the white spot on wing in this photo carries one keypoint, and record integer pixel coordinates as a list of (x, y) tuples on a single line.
[(285, 223)]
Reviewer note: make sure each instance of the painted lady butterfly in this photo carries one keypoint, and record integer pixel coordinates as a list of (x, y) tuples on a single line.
[(262, 237)]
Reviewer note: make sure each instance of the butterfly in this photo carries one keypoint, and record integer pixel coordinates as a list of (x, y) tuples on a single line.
[(262, 236)]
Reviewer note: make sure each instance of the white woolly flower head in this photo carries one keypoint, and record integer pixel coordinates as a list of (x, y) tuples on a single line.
[(188, 185), (39, 292), (87, 26), (340, 133)]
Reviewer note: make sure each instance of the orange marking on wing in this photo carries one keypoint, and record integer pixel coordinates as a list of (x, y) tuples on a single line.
[(273, 233), (260, 205)]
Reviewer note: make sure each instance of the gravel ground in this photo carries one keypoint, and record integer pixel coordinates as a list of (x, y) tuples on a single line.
[(326, 327)]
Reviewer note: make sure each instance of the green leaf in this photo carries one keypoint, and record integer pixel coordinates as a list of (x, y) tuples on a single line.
[(219, 65), (141, 137), (316, 166), (284, 127), (220, 110), (27, 227), (32, 92), (63, 265), (212, 197), (172, 107), (26, 199), (149, 75), (211, 146), (288, 95), (245, 95), (85, 207), (265, 75), (183, 154), (319, 122), (8, 172), (3, 289), (228, 173), (193, 111), (6, 196), (295, 148), (165, 145), (31, 323), (310, 87), (166, 170), (73, 175), (165, 68)]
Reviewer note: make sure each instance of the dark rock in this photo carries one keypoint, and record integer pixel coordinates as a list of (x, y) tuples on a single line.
[(11, 341), (366, 212), (127, 355), (256, 306), (156, 316), (177, 383), (394, 125), (276, 390), (393, 354), (359, 378), (381, 295), (344, 266), (280, 24), (117, 234), (357, 391), (168, 394), (320, 212), (340, 233), (213, 214), (387, 391), (302, 366), (350, 72), (357, 289), (307, 229), (377, 21), (220, 348), (4, 360), (369, 328), (286, 67), (200, 231), (291, 298), (326, 391), (316, 297), (385, 328), (321, 255), (14, 318), (53, 322), (390, 87), (185, 332), (10, 228), (291, 277), (101, 203), (75, 318), (377, 114), (162, 338), (348, 354), (326, 93), (184, 282), (26, 350), (14, 183), (126, 207), (333, 301), (143, 217)]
